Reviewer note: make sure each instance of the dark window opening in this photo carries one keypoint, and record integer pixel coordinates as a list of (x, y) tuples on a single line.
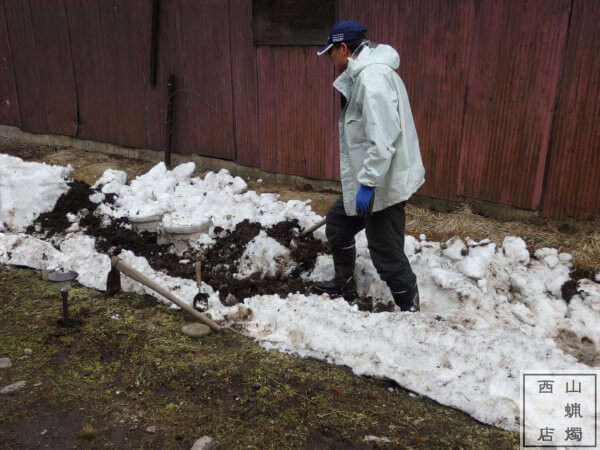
[(292, 22)]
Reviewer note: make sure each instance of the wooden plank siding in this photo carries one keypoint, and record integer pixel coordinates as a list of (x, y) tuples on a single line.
[(573, 174), (199, 54), (505, 94), (297, 130), (514, 69), (433, 39), (94, 102), (156, 96), (30, 93), (9, 103), (51, 34), (244, 83), (125, 52)]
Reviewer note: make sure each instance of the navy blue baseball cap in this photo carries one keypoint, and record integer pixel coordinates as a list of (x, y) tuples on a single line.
[(344, 30)]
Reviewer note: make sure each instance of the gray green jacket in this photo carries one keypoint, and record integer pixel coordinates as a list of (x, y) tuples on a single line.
[(378, 140)]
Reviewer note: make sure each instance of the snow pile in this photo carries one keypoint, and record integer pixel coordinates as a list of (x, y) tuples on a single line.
[(28, 189), (476, 370), (184, 200), (488, 311), (77, 253), (264, 256), (111, 181)]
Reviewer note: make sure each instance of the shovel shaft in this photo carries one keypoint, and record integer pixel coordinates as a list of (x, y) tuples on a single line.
[(313, 228), (141, 278), (198, 268)]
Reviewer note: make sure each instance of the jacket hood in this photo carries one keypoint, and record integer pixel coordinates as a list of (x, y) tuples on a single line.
[(377, 54), (373, 54)]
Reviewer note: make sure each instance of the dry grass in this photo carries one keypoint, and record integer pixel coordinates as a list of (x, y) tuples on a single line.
[(581, 240)]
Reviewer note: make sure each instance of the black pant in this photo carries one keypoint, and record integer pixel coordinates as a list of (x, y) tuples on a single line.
[(385, 237)]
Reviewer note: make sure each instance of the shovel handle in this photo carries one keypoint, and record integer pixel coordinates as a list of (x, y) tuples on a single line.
[(197, 268), (141, 278), (309, 230)]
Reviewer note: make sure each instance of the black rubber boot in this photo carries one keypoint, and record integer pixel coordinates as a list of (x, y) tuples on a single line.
[(408, 298), (343, 282)]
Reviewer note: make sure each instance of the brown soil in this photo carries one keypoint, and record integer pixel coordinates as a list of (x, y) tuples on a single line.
[(76, 199)]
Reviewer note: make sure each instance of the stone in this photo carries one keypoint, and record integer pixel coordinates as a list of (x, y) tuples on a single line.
[(242, 313), (205, 443), (13, 387), (371, 438), (151, 429), (28, 352), (43, 432), (230, 300), (195, 330), (5, 363)]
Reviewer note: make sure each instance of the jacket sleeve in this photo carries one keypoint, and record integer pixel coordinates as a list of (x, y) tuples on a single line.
[(382, 129)]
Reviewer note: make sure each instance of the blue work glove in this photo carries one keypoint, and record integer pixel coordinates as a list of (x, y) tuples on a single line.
[(363, 199)]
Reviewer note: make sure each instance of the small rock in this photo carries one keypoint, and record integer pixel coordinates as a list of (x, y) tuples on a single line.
[(151, 429), (230, 300), (370, 438), (28, 352), (13, 387), (195, 330), (5, 363), (205, 443), (43, 432), (242, 313)]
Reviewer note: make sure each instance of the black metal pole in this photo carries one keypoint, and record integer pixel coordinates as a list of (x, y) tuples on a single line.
[(65, 306), (154, 42), (171, 86)]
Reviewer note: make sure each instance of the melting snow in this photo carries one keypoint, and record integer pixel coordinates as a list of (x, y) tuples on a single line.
[(487, 311)]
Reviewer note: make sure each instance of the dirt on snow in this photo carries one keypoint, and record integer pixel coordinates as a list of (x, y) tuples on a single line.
[(219, 261)]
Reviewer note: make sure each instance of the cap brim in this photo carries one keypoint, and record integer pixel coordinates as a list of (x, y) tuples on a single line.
[(324, 49)]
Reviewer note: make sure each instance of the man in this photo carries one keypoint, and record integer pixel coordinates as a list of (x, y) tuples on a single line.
[(380, 164)]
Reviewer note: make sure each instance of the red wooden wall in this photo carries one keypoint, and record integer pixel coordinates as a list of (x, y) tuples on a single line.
[(9, 104), (505, 95), (573, 175), (296, 111), (516, 56)]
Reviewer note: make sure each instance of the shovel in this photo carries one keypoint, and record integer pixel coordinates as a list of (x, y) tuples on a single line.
[(200, 302), (316, 226), (120, 266)]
